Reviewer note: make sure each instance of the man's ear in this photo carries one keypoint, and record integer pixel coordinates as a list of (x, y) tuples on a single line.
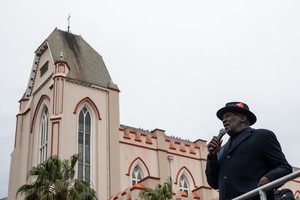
[(244, 118)]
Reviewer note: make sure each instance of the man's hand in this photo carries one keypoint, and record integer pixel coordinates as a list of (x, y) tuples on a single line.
[(264, 180), (216, 144)]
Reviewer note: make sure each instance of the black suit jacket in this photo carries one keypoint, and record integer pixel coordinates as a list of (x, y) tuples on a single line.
[(243, 160)]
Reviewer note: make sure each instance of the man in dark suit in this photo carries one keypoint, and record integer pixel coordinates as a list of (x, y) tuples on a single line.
[(250, 158)]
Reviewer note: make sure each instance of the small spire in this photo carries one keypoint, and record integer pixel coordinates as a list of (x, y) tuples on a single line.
[(61, 55), (69, 19)]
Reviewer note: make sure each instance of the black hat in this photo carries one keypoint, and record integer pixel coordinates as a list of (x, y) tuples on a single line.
[(238, 107)]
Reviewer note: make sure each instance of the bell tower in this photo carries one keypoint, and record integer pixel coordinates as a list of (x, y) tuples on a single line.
[(71, 106)]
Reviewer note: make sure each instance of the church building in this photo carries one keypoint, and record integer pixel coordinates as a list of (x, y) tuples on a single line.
[(71, 105)]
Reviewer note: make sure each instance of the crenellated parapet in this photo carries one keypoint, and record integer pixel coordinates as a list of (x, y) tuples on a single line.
[(179, 146), (137, 136), (148, 139)]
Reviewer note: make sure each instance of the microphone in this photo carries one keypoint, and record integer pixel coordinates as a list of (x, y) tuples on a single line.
[(222, 132)]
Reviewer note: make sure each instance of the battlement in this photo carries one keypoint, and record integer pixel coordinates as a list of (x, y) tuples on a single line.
[(148, 139)]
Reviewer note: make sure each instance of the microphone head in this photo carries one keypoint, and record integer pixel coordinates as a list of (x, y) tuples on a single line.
[(222, 132)]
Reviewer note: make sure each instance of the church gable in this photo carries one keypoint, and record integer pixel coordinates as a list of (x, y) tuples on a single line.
[(86, 65)]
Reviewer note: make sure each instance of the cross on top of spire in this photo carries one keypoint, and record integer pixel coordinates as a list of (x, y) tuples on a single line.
[(69, 18)]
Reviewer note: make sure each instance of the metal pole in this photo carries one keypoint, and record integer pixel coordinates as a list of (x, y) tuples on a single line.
[(271, 185), (262, 195)]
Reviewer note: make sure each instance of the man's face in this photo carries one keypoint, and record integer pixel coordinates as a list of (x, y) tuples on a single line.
[(232, 122)]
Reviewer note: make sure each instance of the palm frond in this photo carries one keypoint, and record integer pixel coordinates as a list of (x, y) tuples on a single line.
[(54, 180)]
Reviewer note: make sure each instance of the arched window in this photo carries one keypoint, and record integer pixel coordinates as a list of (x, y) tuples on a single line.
[(43, 136), (136, 175), (84, 144), (183, 184)]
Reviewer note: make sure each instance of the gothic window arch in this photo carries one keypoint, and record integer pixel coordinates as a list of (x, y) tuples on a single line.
[(84, 143), (43, 136), (137, 175), (184, 184)]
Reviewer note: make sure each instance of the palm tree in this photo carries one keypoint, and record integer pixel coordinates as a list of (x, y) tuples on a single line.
[(55, 181), (161, 192)]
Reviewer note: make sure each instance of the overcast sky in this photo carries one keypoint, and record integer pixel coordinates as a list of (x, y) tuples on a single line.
[(175, 62)]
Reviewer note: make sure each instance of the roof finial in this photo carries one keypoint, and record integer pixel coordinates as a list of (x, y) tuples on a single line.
[(69, 23)]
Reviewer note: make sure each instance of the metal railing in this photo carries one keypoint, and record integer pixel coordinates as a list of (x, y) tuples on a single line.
[(262, 190)]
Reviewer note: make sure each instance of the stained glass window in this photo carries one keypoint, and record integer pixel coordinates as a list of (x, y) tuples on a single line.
[(43, 136), (84, 144), (136, 175), (183, 184)]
